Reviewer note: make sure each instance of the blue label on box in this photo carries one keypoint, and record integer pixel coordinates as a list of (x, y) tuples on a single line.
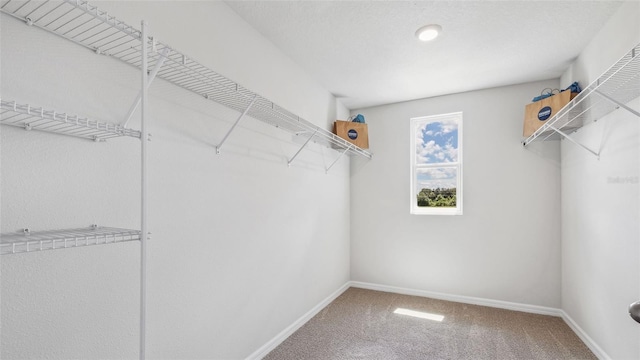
[(352, 134), (544, 113)]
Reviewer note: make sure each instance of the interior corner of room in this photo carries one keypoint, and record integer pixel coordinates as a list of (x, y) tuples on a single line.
[(173, 186)]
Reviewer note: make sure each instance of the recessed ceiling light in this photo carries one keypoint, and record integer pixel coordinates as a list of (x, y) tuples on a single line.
[(428, 32)]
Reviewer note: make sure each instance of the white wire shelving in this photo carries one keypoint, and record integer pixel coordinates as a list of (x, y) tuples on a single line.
[(86, 25), (26, 241), (614, 89), (94, 29), (36, 118)]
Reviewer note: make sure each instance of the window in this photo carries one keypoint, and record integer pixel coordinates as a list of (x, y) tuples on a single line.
[(436, 164)]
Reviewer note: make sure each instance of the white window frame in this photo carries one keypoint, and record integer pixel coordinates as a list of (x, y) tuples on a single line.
[(414, 208)]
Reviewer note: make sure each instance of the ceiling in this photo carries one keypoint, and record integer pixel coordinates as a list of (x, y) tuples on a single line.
[(366, 53)]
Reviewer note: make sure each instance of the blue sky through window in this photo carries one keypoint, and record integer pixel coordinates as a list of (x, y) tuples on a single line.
[(437, 142)]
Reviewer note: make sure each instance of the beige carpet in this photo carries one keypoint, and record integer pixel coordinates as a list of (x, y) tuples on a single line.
[(361, 324)]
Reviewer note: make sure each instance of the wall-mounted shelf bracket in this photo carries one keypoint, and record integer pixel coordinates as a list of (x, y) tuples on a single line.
[(302, 147), (163, 56), (338, 158), (617, 103), (564, 135), (244, 113)]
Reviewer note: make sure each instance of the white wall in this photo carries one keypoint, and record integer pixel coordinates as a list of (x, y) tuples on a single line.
[(242, 245), (505, 247), (600, 205)]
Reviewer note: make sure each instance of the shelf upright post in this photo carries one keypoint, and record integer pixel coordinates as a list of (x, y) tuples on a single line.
[(144, 138)]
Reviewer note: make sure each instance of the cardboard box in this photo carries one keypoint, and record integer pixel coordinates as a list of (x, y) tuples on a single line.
[(353, 132), (537, 113)]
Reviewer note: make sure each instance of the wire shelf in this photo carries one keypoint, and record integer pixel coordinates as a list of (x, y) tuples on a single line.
[(612, 90), (86, 25), (63, 239), (37, 118)]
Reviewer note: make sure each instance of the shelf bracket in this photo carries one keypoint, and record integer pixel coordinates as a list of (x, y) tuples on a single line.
[(303, 146), (336, 160), (574, 141), (163, 56), (235, 124), (617, 103)]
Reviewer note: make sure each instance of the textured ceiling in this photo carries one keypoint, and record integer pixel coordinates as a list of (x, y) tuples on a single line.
[(366, 54)]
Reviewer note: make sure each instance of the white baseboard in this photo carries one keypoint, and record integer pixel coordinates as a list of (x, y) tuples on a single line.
[(284, 334), (534, 309), (597, 350)]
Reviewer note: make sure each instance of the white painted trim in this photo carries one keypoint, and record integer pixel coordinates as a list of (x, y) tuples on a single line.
[(284, 334), (597, 350), (534, 309)]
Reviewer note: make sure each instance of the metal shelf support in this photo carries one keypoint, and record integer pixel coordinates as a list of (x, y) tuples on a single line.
[(564, 135), (617, 103), (235, 124), (163, 56), (338, 158), (302, 147)]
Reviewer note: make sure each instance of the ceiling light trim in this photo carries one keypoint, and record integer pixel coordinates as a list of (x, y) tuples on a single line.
[(428, 32)]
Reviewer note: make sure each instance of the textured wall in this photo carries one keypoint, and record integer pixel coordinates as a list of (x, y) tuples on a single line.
[(506, 246), (601, 202), (242, 245)]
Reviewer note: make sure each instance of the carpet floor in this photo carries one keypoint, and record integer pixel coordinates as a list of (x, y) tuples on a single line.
[(361, 324)]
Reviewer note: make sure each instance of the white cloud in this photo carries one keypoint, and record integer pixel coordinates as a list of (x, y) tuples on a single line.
[(430, 151), (450, 151), (446, 125), (426, 152), (437, 173), (439, 183), (436, 178)]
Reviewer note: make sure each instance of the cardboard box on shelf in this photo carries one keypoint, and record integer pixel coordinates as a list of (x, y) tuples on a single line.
[(537, 113), (353, 132)]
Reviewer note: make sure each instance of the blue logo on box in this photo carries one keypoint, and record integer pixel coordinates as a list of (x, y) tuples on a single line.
[(352, 134), (544, 113)]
